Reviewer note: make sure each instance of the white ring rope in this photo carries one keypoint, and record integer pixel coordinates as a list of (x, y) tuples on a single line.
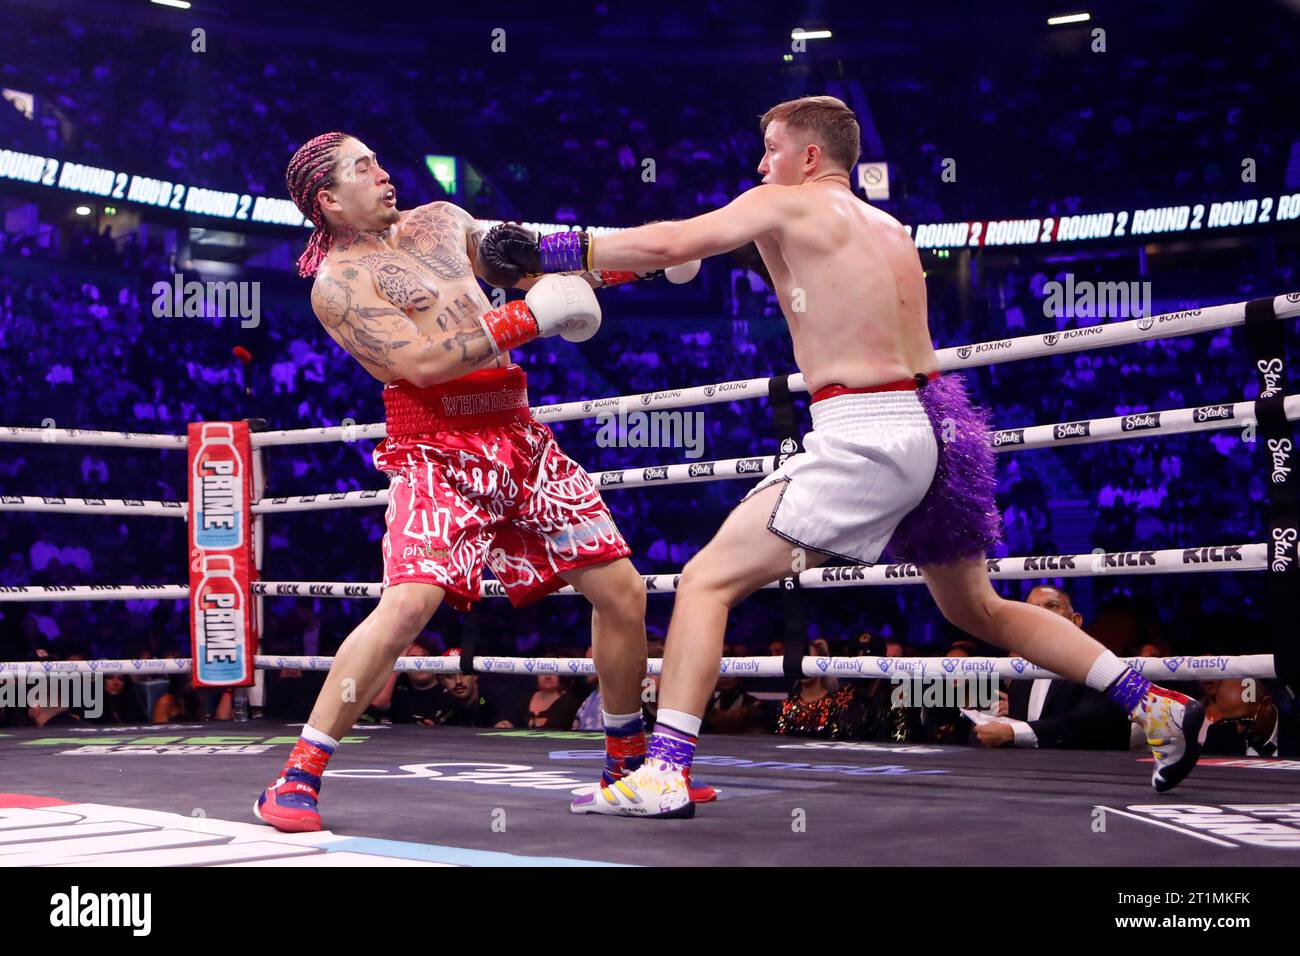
[(94, 506), (1104, 335), (681, 474), (1206, 667), (85, 436), (1235, 557), (28, 593), (1172, 421)]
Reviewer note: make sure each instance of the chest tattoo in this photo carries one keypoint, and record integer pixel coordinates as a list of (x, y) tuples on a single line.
[(400, 282), (437, 241)]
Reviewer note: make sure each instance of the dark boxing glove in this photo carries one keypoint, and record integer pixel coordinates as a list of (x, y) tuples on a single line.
[(514, 252), (510, 252)]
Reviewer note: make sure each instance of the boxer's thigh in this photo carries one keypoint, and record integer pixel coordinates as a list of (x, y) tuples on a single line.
[(435, 533), (564, 514), (963, 592), (745, 554), (562, 525)]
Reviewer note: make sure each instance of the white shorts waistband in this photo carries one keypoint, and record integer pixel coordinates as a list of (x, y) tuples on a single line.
[(869, 409)]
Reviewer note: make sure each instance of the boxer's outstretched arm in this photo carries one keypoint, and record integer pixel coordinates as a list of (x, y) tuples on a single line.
[(759, 212), (474, 232)]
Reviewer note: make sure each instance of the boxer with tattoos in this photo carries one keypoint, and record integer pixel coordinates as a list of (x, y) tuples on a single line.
[(473, 478)]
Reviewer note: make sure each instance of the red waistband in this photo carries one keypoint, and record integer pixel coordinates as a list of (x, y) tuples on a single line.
[(489, 397), (902, 385)]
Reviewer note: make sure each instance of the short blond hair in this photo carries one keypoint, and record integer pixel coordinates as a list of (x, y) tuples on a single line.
[(827, 120)]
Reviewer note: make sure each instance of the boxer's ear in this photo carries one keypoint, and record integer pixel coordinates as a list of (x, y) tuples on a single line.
[(328, 200)]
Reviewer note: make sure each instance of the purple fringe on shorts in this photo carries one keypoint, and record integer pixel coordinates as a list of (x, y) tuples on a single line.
[(958, 517)]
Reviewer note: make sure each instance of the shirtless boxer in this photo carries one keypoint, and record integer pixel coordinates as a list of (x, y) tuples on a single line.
[(473, 477), (897, 455)]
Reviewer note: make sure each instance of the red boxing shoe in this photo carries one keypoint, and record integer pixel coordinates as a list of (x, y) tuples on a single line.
[(700, 792), (289, 804)]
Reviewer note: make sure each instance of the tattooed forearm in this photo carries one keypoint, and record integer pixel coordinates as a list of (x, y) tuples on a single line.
[(473, 344)]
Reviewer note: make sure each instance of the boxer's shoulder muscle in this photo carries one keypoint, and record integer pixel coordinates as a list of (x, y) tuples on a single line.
[(777, 202), (437, 235)]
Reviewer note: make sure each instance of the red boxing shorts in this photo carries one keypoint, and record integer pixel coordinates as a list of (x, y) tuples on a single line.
[(474, 478)]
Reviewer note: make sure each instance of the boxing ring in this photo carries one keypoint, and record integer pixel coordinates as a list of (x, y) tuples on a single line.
[(417, 796)]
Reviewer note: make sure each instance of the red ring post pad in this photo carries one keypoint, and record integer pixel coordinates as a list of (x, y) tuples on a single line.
[(223, 625)]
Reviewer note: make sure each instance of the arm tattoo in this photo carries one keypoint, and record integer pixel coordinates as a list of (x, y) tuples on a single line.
[(365, 331), (475, 349)]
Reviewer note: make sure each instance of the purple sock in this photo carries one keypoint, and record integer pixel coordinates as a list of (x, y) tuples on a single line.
[(672, 746), (1128, 690)]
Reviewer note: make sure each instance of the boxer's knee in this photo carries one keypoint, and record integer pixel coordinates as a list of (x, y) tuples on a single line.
[(976, 614), (404, 610), (616, 591), (622, 605), (704, 575)]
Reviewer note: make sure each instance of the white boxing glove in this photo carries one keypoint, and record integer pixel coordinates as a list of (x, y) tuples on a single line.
[(683, 272), (564, 305)]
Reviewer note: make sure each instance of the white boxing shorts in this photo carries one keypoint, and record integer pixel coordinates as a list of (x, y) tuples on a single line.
[(868, 461)]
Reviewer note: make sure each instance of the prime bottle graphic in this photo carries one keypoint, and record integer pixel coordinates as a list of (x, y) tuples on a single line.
[(218, 470), (218, 615), (223, 614)]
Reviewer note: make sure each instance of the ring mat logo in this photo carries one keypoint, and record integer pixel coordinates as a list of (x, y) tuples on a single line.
[(515, 775), (1274, 826), (168, 745), (96, 835)]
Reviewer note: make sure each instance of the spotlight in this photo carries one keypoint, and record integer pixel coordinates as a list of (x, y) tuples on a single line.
[(178, 4), (83, 210), (1068, 18)]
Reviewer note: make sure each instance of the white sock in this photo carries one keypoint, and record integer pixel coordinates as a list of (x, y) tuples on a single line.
[(684, 723), (318, 737), (623, 722), (1105, 670)]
